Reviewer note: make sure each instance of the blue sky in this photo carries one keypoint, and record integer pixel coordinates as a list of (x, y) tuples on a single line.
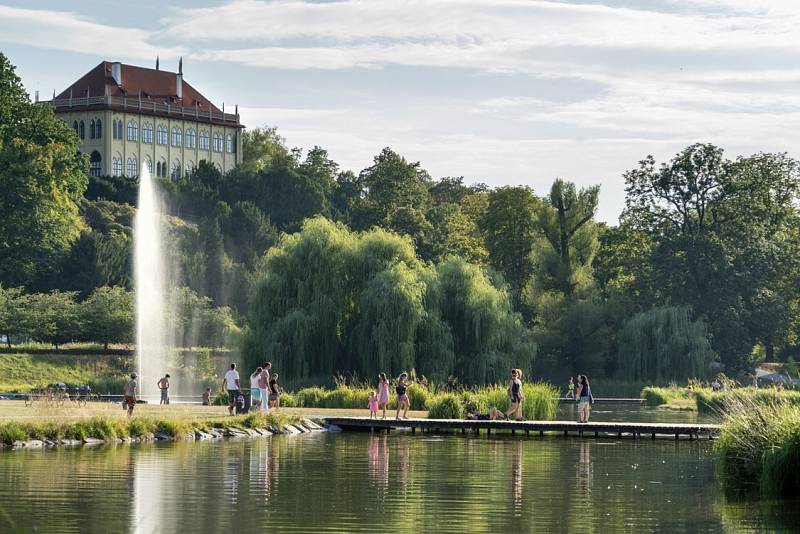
[(497, 91)]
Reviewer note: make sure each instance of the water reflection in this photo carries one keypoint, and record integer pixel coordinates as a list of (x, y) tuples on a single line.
[(362, 483)]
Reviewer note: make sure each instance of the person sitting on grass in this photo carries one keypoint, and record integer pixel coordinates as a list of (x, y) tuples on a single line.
[(130, 394), (231, 384), (492, 415)]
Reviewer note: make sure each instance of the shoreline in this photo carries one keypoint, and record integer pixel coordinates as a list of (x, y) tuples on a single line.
[(29, 434)]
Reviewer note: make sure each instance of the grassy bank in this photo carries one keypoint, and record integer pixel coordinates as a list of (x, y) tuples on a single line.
[(111, 428), (759, 446), (23, 372)]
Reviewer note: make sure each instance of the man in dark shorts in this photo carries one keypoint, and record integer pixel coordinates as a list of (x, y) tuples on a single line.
[(130, 394), (231, 384)]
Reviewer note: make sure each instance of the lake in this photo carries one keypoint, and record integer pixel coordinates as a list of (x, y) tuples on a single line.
[(357, 482)]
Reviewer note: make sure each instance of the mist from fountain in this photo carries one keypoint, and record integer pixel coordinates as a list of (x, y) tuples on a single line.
[(150, 279)]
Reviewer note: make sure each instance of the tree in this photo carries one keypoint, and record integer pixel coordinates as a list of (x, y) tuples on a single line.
[(259, 147), (722, 244), (108, 315), (13, 303), (53, 317), (664, 344), (390, 184), (43, 179), (509, 227)]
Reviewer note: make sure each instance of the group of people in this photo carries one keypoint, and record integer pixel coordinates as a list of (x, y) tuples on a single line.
[(379, 400), (581, 393), (265, 393), (131, 387)]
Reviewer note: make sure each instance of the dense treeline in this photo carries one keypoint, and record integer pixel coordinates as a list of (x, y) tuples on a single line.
[(388, 268)]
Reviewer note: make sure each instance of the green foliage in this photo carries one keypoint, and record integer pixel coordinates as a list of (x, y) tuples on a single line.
[(22, 372), (447, 406), (664, 344), (109, 314), (759, 447), (43, 178), (658, 396)]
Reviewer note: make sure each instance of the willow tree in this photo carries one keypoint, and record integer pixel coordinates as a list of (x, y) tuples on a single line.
[(331, 300), (664, 344), (488, 336)]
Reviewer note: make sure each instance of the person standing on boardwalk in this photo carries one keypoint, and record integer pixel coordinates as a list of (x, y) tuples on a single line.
[(403, 402), (263, 384), (163, 385), (515, 394), (373, 405), (130, 394), (231, 384), (584, 398), (383, 393), (571, 388)]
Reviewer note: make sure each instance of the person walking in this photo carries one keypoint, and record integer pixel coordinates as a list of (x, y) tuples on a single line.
[(403, 402), (163, 385), (571, 388), (263, 385), (130, 394), (383, 393), (231, 384), (515, 394), (584, 398), (255, 389)]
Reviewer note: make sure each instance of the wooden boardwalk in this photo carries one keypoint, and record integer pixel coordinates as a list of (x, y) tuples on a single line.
[(565, 428)]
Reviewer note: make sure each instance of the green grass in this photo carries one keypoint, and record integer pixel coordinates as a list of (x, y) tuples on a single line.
[(446, 406), (718, 403), (23, 372), (759, 445), (110, 428)]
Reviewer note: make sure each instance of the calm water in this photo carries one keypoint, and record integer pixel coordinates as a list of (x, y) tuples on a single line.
[(357, 482)]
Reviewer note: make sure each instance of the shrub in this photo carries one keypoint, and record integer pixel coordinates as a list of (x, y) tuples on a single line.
[(540, 402), (446, 406)]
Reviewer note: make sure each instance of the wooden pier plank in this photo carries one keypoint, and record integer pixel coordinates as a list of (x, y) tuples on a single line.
[(619, 428)]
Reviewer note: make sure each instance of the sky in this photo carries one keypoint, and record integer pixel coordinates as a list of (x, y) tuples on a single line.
[(504, 92)]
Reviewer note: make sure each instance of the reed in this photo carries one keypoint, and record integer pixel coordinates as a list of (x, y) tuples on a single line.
[(759, 445)]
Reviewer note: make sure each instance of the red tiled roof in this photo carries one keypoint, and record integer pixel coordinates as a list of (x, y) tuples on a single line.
[(155, 86)]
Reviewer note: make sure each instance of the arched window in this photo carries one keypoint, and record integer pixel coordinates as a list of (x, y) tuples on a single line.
[(177, 136), (189, 168), (116, 166), (161, 134), (217, 142), (148, 164), (75, 127), (229, 144), (119, 129), (147, 132), (113, 132), (133, 133), (82, 130), (99, 129), (176, 170), (161, 168), (190, 138), (91, 129), (133, 168), (204, 140), (95, 163)]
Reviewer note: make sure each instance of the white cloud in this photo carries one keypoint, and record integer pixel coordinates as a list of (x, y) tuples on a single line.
[(69, 31)]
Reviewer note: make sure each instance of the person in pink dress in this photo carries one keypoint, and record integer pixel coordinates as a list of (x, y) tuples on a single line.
[(373, 406), (383, 393)]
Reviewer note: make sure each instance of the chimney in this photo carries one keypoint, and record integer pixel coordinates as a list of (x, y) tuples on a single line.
[(116, 72), (179, 86), (156, 62)]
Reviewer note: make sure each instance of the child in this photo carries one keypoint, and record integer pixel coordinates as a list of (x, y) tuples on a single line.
[(373, 406), (207, 397)]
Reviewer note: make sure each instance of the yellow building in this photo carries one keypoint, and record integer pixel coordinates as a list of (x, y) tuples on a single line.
[(128, 116)]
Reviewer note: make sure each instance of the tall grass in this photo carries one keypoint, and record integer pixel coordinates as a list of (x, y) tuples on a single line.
[(111, 428), (759, 445), (657, 396), (540, 402), (718, 403)]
